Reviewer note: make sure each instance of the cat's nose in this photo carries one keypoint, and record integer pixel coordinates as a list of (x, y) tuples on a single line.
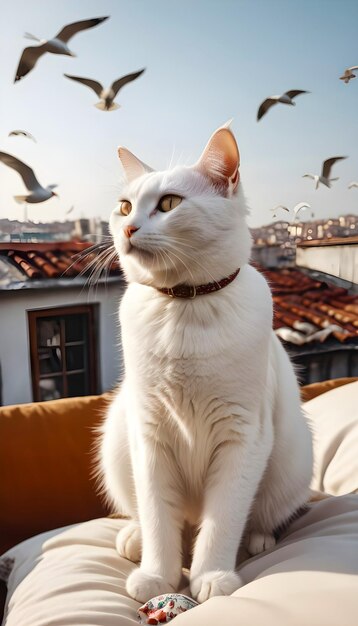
[(129, 230)]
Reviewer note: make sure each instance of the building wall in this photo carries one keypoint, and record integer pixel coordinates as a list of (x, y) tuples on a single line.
[(14, 337), (340, 261), (273, 256)]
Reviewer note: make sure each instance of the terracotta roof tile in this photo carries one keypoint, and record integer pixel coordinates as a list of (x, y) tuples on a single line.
[(24, 265), (306, 309), (353, 308), (55, 260), (47, 268)]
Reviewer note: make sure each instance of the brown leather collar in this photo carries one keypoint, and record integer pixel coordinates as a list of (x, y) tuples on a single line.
[(190, 291)]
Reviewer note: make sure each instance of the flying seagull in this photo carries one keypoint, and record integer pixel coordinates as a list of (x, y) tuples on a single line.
[(326, 170), (22, 133), (280, 206), (352, 184), (296, 209), (57, 45), (275, 209), (300, 206), (285, 98), (348, 74), (38, 193), (70, 210), (107, 95)]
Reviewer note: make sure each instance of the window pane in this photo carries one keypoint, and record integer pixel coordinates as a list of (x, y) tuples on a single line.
[(50, 360), (77, 385), (75, 327), (48, 332), (51, 388), (75, 358), (62, 349)]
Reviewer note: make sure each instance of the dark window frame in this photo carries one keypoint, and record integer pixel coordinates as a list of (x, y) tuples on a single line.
[(92, 313)]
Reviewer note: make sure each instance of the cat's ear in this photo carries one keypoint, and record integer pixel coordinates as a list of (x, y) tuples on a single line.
[(220, 160), (133, 167)]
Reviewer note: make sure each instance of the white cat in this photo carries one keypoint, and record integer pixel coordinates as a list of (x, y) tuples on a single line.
[(207, 425)]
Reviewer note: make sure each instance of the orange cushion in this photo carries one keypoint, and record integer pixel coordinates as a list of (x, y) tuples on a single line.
[(46, 461), (316, 389)]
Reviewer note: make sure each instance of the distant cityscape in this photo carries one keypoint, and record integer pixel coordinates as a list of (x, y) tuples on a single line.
[(82, 229), (275, 244), (279, 233), (283, 232)]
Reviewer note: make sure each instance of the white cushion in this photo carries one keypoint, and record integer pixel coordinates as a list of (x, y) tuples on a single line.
[(334, 420), (75, 576), (311, 577)]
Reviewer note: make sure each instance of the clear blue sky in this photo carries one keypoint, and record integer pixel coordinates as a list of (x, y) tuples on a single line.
[(207, 61)]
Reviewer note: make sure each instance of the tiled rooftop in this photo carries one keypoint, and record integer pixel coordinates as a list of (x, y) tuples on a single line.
[(332, 241), (50, 260), (308, 310)]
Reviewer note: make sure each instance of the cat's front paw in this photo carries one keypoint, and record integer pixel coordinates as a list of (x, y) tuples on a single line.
[(216, 583), (129, 542), (259, 542), (142, 586)]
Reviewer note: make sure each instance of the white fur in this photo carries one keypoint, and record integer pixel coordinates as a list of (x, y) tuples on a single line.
[(207, 425)]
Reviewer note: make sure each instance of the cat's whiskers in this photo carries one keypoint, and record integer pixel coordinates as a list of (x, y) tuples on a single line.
[(104, 263), (80, 256), (94, 268), (171, 158), (101, 238), (99, 264), (165, 252), (95, 260), (176, 240), (181, 261), (155, 258), (186, 245), (193, 260), (93, 248), (162, 241), (167, 246), (99, 271), (156, 248), (165, 265)]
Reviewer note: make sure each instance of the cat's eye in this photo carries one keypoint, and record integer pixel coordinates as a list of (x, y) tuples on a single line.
[(125, 207), (169, 202)]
